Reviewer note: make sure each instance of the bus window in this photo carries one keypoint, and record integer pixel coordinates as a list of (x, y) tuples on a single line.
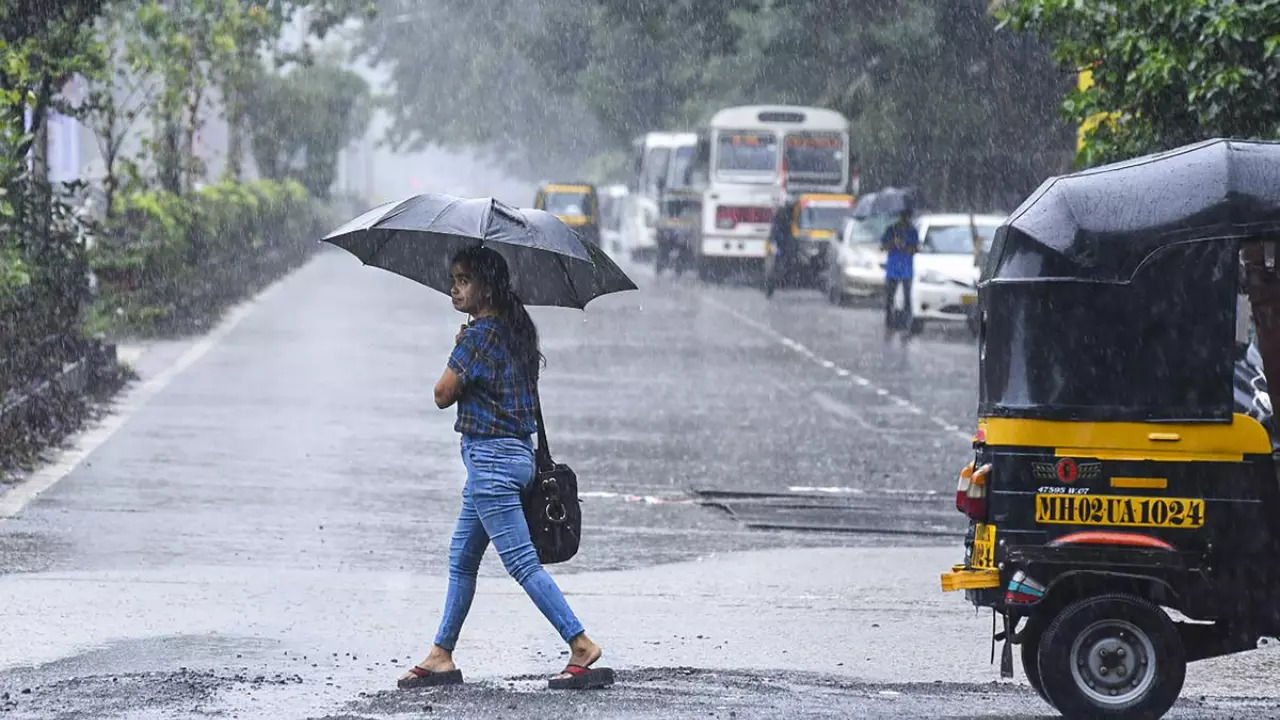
[(746, 151), (816, 156)]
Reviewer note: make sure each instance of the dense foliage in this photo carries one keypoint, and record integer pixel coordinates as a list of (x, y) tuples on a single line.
[(1165, 72)]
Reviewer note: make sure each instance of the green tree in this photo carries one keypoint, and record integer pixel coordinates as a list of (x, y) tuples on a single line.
[(302, 119), (465, 74), (1168, 72), (42, 45)]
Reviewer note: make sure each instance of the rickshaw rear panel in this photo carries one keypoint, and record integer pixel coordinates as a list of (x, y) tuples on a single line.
[(1112, 497)]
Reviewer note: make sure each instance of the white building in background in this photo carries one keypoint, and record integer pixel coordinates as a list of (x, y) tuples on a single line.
[(367, 168)]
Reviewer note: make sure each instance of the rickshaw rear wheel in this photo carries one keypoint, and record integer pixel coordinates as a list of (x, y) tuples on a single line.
[(1113, 655)]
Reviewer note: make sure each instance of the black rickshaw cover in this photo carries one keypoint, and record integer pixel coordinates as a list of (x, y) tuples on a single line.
[(1111, 294)]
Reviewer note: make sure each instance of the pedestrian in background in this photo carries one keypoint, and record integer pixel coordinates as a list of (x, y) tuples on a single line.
[(901, 241), (784, 249), (492, 376)]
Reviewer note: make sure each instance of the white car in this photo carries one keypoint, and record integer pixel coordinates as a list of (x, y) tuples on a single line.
[(857, 262), (946, 272)]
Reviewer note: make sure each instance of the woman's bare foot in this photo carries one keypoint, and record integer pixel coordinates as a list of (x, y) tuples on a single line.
[(584, 652), (438, 660)]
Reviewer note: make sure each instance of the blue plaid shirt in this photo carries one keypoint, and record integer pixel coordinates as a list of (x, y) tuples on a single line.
[(498, 397)]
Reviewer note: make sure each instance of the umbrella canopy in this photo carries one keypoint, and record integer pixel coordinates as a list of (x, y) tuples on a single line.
[(417, 238), (889, 201), (1104, 222)]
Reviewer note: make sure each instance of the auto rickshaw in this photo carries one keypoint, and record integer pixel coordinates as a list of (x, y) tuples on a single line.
[(816, 220), (1124, 504), (575, 204)]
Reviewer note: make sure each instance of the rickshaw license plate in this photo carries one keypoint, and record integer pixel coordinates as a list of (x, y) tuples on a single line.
[(968, 299), (984, 547), (1119, 510)]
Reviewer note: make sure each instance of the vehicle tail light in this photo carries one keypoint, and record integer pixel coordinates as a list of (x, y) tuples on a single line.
[(962, 486), (728, 216), (975, 501)]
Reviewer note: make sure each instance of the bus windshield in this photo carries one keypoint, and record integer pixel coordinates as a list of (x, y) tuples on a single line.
[(747, 152), (655, 168), (678, 170), (816, 157)]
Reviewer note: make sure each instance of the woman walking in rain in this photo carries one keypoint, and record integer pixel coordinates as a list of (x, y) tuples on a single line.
[(492, 376)]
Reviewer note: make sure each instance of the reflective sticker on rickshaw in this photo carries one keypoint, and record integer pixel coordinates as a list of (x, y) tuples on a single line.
[(1119, 510), (1067, 470)]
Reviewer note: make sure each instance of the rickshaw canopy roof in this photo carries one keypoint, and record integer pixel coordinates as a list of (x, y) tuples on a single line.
[(568, 188), (1102, 224)]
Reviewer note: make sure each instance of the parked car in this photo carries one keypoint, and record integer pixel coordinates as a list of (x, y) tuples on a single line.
[(946, 279), (857, 263)]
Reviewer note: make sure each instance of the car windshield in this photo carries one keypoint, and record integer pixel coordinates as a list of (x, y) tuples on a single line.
[(867, 231), (747, 152), (568, 203), (824, 218), (816, 156), (955, 239)]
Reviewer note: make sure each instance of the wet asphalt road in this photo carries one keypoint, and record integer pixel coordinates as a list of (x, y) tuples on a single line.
[(767, 489)]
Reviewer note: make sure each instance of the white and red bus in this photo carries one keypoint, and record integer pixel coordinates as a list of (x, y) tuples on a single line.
[(752, 159)]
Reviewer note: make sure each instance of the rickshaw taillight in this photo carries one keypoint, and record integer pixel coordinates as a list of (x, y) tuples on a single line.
[(975, 500), (962, 487)]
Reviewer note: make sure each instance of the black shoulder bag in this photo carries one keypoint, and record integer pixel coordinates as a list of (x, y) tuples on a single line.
[(551, 504)]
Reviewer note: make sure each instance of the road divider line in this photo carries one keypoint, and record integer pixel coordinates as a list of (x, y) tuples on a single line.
[(840, 409), (17, 498), (822, 362)]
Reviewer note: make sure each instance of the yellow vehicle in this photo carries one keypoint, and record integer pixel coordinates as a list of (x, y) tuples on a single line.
[(575, 204), (816, 220)]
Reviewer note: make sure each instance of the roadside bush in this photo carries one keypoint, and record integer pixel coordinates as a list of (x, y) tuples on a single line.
[(172, 263)]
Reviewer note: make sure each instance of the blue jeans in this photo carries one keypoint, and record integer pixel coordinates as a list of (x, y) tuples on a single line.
[(497, 470)]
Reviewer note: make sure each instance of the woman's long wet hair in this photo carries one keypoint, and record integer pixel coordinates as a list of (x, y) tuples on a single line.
[(489, 270)]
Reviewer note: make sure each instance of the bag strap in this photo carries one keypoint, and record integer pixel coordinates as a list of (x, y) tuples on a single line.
[(543, 452)]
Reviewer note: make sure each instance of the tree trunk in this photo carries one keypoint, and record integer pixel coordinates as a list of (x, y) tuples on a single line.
[(168, 160), (235, 143), (40, 159), (191, 163)]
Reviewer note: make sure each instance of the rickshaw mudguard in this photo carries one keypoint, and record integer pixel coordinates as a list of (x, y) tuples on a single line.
[(1166, 578)]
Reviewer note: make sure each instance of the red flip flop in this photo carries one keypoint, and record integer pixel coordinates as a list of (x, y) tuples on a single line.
[(423, 677), (582, 678)]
